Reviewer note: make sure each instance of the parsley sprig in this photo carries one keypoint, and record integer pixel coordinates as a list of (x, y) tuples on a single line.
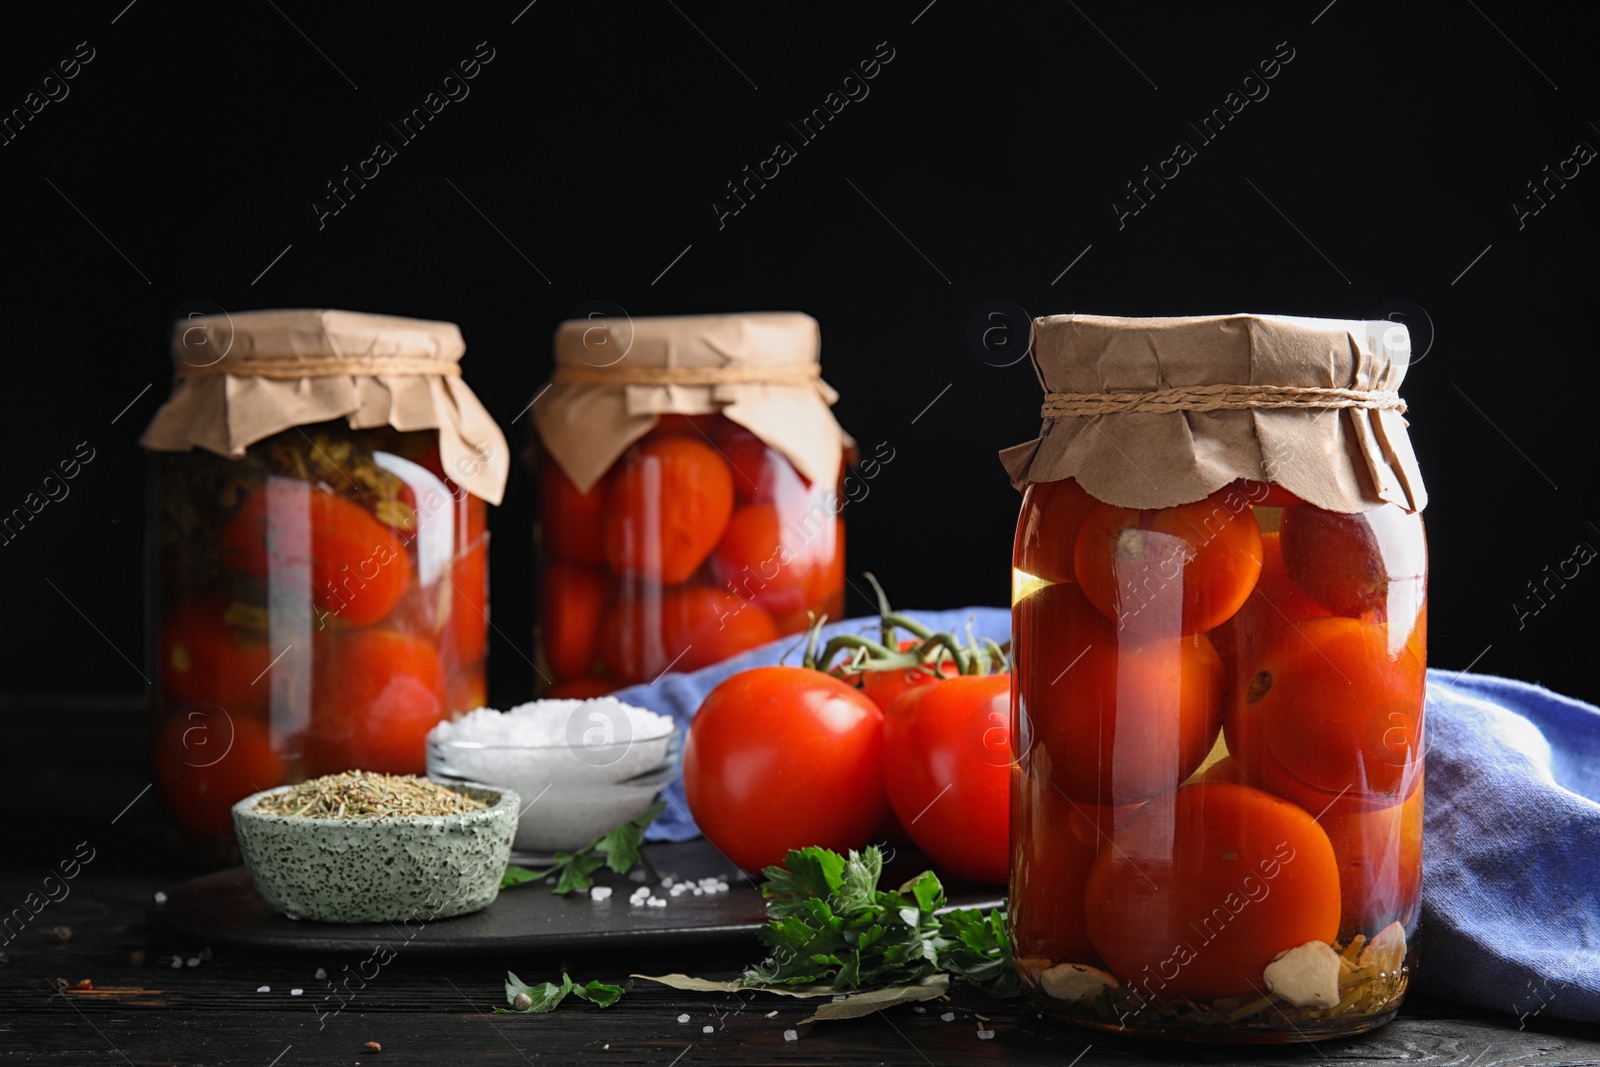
[(546, 995), (617, 849), (831, 924)]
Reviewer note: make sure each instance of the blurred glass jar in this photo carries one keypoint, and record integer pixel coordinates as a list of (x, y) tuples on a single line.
[(318, 593), (691, 483), (1218, 704)]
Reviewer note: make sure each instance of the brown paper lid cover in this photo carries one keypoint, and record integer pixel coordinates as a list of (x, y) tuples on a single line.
[(1307, 404), (615, 376), (246, 376)]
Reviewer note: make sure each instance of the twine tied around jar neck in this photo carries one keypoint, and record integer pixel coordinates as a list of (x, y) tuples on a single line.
[(778, 374), (1217, 398), (279, 369)]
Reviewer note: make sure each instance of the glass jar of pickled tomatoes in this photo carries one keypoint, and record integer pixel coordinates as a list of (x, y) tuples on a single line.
[(318, 587), (691, 488), (1218, 708)]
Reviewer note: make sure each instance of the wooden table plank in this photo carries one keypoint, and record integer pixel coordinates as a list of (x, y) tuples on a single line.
[(431, 1010)]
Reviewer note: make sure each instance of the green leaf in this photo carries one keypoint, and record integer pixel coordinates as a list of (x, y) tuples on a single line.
[(832, 926), (620, 849), (544, 996), (858, 884), (516, 876), (600, 993), (807, 873)]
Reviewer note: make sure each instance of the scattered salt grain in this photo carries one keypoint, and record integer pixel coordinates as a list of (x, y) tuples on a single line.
[(193, 961), (657, 902), (920, 1010), (949, 1016), (667, 881), (985, 1035), (263, 989), (707, 1029), (296, 992), (683, 1018), (600, 892), (772, 1015), (320, 975), (638, 875), (177, 962), (791, 1035), (161, 898)]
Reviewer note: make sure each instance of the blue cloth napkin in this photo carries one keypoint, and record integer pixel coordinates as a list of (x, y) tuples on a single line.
[(1511, 847)]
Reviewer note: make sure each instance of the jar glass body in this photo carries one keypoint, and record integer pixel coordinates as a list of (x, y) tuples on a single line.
[(1219, 720), (699, 543), (316, 606)]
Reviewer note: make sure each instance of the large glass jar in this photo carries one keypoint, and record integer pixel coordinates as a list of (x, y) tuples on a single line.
[(1218, 720), (696, 535), (318, 602)]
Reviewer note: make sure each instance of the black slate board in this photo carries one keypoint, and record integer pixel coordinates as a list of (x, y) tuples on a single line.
[(224, 909)]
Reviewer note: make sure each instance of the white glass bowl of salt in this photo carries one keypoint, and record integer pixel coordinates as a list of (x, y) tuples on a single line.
[(581, 767)]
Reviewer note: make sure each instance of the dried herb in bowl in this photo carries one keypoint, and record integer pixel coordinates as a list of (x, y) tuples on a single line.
[(365, 795)]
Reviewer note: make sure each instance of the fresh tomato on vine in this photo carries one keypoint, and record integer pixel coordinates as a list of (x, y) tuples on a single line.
[(947, 768), (947, 738), (779, 758)]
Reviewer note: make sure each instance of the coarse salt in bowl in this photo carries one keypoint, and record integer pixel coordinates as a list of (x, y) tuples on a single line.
[(582, 767)]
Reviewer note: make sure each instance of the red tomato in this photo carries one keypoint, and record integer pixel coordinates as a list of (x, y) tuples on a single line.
[(208, 760), (685, 628), (1121, 717), (674, 425), (1096, 826), (465, 690), (1274, 602), (572, 602), (761, 473), (1203, 889), (775, 567), (1352, 564), (1380, 864), (947, 760), (883, 688), (707, 626), (581, 689), (358, 566), (669, 501), (467, 633), (375, 694), (205, 659), (1049, 871), (569, 519), (1263, 494), (780, 758), (1174, 570), (751, 461), (1328, 712), (1047, 532)]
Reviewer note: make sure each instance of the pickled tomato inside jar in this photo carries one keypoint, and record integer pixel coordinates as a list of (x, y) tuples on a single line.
[(321, 604), (699, 542), (1219, 709)]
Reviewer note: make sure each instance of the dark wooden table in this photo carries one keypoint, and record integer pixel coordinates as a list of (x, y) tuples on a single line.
[(76, 774)]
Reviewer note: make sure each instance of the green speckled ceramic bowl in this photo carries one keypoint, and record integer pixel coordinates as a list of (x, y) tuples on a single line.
[(379, 870)]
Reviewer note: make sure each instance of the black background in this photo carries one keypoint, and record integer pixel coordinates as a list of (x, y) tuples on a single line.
[(985, 160)]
